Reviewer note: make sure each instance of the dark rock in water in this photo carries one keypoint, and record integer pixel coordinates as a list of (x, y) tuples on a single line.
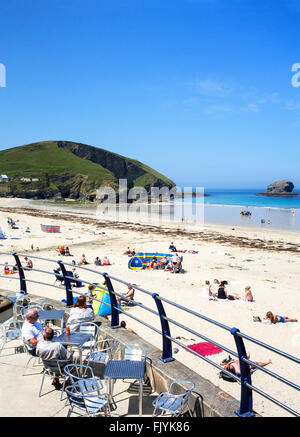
[(279, 189)]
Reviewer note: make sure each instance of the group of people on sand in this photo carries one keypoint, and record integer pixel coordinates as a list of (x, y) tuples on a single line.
[(174, 265), (219, 291), (105, 261), (65, 251), (129, 252)]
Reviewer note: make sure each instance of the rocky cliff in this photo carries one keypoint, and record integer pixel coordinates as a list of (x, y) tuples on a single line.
[(65, 169)]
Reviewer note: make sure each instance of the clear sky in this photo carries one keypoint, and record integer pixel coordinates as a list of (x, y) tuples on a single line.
[(198, 89)]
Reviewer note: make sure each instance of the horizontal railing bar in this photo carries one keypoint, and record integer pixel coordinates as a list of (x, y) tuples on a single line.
[(214, 322), (43, 283), (275, 401), (274, 375), (266, 346), (201, 336), (204, 358)]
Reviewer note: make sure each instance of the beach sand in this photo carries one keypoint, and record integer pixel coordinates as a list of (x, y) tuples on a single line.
[(267, 260)]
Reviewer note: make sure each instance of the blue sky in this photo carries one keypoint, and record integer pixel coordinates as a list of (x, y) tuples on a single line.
[(198, 89)]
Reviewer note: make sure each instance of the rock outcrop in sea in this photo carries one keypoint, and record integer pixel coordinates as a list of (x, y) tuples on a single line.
[(279, 189)]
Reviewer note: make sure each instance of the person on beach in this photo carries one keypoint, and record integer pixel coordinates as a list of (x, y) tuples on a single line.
[(80, 313), (90, 294), (162, 263), (32, 331), (153, 264), (29, 264), (105, 261), (97, 261), (222, 292), (128, 295), (48, 350), (278, 319), (67, 252), (172, 248), (206, 289), (248, 294), (129, 252), (83, 260), (123, 325), (234, 366), (6, 269), (176, 263)]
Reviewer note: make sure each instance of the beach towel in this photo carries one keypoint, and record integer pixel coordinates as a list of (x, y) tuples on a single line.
[(205, 348)]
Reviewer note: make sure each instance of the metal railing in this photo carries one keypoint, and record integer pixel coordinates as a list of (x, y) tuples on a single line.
[(247, 388)]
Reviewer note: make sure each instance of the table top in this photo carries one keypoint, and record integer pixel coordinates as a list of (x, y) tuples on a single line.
[(74, 339), (51, 314), (119, 369)]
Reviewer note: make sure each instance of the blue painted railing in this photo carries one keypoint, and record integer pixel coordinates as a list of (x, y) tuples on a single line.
[(247, 388)]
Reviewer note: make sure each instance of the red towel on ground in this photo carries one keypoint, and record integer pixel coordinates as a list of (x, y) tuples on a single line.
[(205, 348)]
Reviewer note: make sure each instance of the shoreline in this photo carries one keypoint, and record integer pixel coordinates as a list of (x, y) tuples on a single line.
[(265, 259)]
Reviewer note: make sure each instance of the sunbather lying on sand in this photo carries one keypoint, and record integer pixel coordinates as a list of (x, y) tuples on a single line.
[(234, 366), (278, 319)]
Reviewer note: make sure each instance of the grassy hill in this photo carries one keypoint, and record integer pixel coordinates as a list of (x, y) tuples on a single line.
[(68, 169)]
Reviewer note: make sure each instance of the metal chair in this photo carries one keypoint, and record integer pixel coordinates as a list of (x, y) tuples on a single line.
[(31, 357), (131, 352), (10, 330), (91, 402), (54, 369), (102, 351), (74, 372), (173, 403), (89, 328), (35, 306)]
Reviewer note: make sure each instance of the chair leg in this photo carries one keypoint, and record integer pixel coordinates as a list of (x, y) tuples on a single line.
[(63, 388), (42, 383)]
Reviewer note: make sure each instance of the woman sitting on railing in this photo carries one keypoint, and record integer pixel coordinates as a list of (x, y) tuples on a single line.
[(80, 313), (234, 366)]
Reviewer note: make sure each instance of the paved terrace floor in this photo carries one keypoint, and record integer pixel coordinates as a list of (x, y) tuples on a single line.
[(19, 394)]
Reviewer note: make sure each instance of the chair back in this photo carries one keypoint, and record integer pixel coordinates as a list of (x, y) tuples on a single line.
[(75, 397), (12, 329), (54, 367), (89, 328), (103, 350), (78, 371), (132, 352), (90, 385)]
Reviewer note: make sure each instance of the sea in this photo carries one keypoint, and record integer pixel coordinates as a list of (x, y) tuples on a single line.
[(223, 206)]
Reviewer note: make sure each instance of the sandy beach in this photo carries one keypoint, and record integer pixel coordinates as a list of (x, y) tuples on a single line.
[(265, 259)]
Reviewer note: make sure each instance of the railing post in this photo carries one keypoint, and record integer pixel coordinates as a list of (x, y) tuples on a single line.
[(246, 403), (23, 287), (69, 294), (167, 343), (113, 303)]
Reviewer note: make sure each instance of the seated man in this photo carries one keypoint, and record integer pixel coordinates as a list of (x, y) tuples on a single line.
[(105, 261), (97, 261), (129, 294), (83, 260), (32, 331), (29, 264), (176, 262), (172, 248), (67, 252), (48, 350), (61, 250), (163, 262)]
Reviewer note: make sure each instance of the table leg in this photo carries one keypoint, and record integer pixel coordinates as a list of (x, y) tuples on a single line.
[(141, 398)]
